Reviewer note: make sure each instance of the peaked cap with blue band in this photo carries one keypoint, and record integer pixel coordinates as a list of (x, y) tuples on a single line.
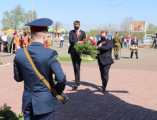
[(39, 24)]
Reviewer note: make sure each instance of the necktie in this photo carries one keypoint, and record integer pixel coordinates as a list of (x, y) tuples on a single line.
[(76, 33)]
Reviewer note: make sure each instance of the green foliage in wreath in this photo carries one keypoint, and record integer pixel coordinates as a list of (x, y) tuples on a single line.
[(87, 47)]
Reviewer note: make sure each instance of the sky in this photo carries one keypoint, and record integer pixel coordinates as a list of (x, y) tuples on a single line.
[(92, 14)]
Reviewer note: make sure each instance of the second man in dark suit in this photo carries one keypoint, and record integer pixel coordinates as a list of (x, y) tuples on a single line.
[(105, 58), (76, 35)]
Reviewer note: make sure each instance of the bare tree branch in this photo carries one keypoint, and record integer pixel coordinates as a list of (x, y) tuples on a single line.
[(57, 25)]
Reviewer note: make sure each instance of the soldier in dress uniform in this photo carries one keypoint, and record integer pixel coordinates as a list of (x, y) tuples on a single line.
[(38, 101), (116, 40)]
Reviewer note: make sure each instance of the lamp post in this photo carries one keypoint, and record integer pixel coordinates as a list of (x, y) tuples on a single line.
[(32, 10), (113, 13)]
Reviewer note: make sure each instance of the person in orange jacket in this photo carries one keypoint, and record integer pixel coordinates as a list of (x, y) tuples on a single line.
[(25, 40), (17, 41)]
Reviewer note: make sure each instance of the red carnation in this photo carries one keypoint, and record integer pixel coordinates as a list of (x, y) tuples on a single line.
[(88, 38), (84, 40), (80, 43)]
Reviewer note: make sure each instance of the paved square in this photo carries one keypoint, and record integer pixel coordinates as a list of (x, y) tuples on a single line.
[(131, 92)]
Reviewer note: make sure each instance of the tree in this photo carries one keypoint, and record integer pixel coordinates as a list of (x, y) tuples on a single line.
[(28, 18), (93, 32), (6, 20), (17, 17), (56, 25), (151, 26), (125, 25), (5, 28)]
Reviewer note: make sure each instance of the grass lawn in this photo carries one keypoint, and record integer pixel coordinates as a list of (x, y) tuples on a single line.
[(1, 63), (69, 59)]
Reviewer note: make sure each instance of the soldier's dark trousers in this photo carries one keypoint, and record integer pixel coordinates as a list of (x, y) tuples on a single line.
[(29, 115), (136, 53), (104, 72), (76, 65)]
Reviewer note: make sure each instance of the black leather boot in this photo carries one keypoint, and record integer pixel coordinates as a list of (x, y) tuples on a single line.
[(117, 57)]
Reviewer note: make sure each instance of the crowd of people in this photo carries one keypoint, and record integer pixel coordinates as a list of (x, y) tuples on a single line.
[(12, 42)]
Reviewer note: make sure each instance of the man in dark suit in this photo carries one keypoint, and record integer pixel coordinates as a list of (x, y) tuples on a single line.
[(76, 35), (105, 58), (134, 42), (38, 101)]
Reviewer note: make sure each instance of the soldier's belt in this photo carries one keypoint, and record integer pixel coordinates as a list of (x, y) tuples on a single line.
[(62, 97)]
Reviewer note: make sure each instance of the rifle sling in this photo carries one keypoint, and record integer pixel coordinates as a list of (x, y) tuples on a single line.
[(42, 77)]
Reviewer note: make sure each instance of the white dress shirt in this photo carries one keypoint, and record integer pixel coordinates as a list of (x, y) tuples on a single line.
[(77, 32), (135, 40), (61, 38), (4, 38)]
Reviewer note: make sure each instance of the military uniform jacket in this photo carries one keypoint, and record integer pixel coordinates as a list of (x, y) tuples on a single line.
[(35, 90), (117, 40), (105, 56)]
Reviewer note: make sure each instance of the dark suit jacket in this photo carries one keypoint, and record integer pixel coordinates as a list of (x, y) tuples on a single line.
[(43, 101), (134, 43), (105, 56), (73, 40)]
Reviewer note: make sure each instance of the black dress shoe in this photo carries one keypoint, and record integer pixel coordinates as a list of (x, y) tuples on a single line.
[(103, 88), (76, 85)]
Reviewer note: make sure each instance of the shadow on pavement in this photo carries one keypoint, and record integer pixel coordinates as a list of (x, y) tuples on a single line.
[(95, 105), (126, 57)]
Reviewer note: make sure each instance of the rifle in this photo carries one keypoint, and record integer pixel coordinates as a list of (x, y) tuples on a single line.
[(63, 95)]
